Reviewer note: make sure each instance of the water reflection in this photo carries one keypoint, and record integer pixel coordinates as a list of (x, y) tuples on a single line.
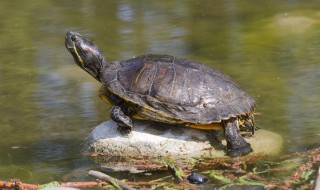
[(125, 12), (303, 108), (145, 29)]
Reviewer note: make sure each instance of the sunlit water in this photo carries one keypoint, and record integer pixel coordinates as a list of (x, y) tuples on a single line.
[(48, 106)]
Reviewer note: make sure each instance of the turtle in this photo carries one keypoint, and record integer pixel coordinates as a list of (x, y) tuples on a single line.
[(168, 90)]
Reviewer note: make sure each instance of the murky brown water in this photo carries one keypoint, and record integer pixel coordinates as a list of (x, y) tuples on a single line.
[(48, 106)]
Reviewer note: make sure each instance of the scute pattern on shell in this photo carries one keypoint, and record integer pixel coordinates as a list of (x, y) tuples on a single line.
[(176, 89)]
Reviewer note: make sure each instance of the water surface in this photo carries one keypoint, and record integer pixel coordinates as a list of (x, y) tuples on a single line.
[(48, 105)]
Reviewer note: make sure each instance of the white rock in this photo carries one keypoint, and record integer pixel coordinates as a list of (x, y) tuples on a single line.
[(150, 140)]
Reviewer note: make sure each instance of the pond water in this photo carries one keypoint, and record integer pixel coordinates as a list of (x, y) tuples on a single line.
[(48, 105)]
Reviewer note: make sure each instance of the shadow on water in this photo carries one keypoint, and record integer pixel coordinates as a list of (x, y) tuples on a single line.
[(48, 106)]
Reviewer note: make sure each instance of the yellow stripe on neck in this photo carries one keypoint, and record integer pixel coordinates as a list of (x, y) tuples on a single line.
[(76, 51)]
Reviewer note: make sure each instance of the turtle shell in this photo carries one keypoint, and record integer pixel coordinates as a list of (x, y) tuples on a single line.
[(175, 90)]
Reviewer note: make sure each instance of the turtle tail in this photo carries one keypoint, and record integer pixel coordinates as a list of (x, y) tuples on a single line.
[(246, 123)]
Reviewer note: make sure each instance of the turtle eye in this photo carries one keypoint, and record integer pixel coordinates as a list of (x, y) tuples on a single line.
[(74, 38)]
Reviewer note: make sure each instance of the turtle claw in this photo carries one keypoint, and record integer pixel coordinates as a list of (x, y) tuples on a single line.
[(125, 131)]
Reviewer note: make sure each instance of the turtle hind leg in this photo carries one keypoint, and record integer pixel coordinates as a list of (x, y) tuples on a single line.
[(236, 145), (124, 122)]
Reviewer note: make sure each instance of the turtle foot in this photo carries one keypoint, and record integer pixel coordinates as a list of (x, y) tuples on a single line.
[(236, 144), (240, 151)]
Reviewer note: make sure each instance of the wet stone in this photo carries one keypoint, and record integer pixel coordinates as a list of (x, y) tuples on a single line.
[(196, 178)]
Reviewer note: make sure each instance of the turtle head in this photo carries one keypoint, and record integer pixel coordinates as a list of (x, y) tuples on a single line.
[(85, 54)]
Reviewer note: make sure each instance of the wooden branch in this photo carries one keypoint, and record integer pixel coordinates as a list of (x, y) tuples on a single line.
[(16, 184), (115, 182), (80, 184)]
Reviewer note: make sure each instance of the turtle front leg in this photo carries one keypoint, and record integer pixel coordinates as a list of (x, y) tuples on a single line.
[(236, 145), (124, 122)]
